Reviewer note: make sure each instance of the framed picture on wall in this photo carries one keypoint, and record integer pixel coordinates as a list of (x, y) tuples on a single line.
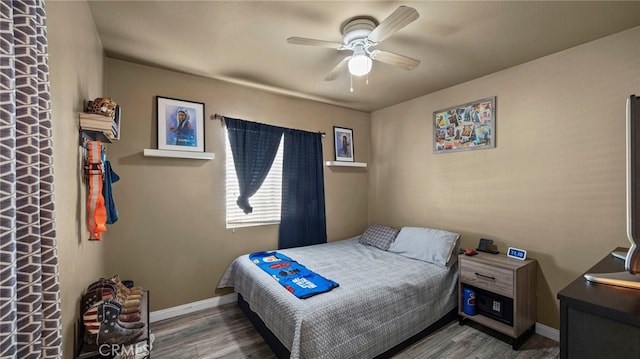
[(470, 126), (343, 144), (180, 124)]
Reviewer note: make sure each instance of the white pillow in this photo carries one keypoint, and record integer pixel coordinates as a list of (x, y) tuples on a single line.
[(425, 244)]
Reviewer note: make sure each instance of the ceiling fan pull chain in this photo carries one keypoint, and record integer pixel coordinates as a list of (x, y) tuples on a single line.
[(351, 76)]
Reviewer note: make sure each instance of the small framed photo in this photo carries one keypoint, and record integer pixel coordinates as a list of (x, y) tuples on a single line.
[(180, 124), (343, 144)]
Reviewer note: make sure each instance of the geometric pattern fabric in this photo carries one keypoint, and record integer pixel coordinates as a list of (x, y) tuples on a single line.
[(30, 323)]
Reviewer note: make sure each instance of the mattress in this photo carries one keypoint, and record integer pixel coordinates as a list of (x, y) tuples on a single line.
[(383, 299)]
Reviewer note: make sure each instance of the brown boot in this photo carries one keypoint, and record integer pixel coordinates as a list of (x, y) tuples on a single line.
[(129, 310), (131, 317), (130, 321), (102, 293), (106, 283), (128, 291)]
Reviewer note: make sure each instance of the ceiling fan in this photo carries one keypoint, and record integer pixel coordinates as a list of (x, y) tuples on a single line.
[(360, 35)]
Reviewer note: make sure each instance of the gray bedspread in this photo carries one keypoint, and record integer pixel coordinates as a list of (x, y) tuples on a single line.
[(383, 299)]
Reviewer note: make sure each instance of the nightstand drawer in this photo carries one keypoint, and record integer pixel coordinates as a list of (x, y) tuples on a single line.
[(491, 278)]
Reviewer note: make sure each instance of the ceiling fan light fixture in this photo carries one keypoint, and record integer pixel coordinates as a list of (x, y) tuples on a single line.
[(360, 65), (360, 34)]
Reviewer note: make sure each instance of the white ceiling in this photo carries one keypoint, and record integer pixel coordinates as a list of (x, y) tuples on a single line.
[(244, 42)]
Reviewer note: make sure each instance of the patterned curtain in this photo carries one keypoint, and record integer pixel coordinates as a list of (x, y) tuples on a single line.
[(30, 325)]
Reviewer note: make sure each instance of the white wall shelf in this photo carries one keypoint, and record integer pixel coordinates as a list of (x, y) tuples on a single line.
[(148, 152), (345, 164)]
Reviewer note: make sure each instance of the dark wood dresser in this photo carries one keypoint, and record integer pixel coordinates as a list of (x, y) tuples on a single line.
[(599, 320)]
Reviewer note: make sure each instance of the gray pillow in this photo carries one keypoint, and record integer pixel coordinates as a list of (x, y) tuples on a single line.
[(425, 244), (379, 236)]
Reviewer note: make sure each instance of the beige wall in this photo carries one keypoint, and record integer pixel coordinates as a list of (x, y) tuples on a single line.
[(555, 183), (76, 74), (171, 236)]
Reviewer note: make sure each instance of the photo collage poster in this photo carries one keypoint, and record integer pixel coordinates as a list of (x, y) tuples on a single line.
[(465, 127)]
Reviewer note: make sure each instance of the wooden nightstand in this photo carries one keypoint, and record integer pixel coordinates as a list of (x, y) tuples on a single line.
[(505, 288)]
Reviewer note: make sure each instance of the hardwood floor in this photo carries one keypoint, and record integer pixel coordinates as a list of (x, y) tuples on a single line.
[(224, 332)]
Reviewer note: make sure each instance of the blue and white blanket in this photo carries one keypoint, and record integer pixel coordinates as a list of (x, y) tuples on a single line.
[(293, 276)]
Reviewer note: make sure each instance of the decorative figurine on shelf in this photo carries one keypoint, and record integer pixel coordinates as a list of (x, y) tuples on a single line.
[(102, 106)]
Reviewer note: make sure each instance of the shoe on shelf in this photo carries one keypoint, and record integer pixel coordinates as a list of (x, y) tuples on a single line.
[(103, 293), (126, 290), (118, 289), (131, 317), (102, 321), (131, 321)]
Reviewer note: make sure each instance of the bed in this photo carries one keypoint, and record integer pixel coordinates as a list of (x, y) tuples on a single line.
[(384, 299)]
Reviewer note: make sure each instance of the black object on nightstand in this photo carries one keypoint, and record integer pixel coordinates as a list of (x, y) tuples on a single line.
[(484, 246)]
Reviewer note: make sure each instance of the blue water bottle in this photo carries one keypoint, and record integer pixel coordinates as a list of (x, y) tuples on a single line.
[(469, 302)]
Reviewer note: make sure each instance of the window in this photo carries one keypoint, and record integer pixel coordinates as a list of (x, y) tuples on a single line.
[(266, 202)]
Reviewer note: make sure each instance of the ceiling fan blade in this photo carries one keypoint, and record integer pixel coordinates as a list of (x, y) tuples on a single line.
[(400, 18), (390, 58), (335, 72), (313, 42)]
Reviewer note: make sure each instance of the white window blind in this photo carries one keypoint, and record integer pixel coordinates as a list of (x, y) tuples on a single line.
[(266, 202)]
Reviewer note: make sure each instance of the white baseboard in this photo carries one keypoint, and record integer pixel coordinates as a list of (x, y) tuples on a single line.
[(545, 331), (163, 314)]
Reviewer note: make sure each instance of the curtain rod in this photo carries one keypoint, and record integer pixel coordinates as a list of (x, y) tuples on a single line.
[(220, 117)]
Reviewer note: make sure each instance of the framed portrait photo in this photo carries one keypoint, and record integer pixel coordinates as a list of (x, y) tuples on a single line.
[(180, 124), (343, 144)]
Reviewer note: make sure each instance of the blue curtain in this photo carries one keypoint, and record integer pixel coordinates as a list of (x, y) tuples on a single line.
[(303, 221), (254, 147)]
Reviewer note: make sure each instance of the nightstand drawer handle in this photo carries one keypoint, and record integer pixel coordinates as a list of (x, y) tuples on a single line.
[(485, 276)]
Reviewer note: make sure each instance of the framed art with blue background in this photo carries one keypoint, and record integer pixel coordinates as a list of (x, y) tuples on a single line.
[(343, 144), (180, 124), (470, 126)]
